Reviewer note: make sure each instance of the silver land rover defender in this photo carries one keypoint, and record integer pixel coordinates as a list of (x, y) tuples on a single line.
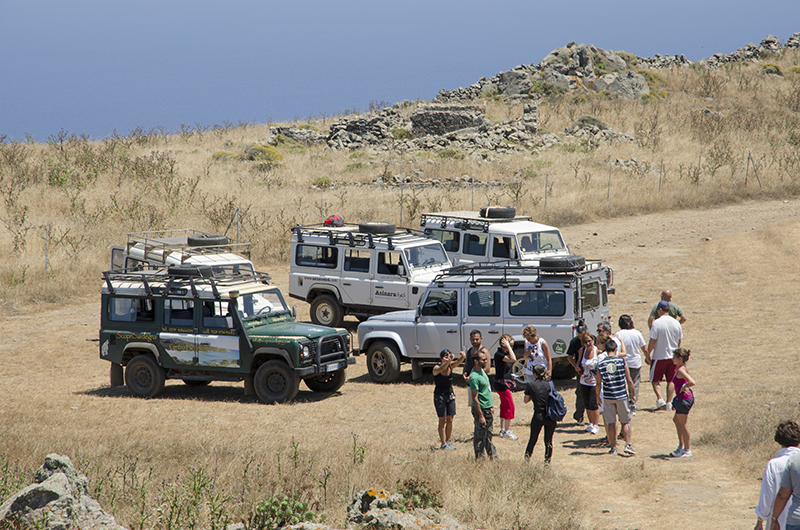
[(494, 300), (361, 270), (493, 235)]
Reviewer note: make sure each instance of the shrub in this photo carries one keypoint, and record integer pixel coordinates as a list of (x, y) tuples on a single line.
[(653, 79), (280, 511), (794, 70), (322, 182), (308, 127), (583, 121), (223, 155), (491, 94), (451, 153), (400, 133), (546, 88), (419, 494), (356, 166), (772, 68), (261, 152)]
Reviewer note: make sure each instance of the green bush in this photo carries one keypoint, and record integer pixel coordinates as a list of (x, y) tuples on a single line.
[(356, 166), (546, 88), (454, 154), (289, 145), (223, 155), (400, 133), (259, 152), (653, 79), (491, 94), (280, 511), (308, 127), (419, 494), (322, 182), (772, 68)]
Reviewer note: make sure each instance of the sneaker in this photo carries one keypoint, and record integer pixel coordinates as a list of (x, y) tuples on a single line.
[(677, 452), (595, 429), (502, 433), (443, 446), (685, 454), (669, 406), (629, 450), (449, 446), (589, 427), (661, 404), (511, 436), (612, 451)]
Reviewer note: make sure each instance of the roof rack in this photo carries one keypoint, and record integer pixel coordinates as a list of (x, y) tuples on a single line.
[(349, 235), (167, 241), (507, 273), (468, 220), (163, 281)]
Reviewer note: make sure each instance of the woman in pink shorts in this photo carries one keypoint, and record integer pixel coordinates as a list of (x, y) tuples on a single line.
[(504, 360), (683, 401)]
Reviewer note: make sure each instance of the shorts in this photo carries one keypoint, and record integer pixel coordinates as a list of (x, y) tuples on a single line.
[(445, 404), (589, 397), (682, 406), (617, 408), (661, 368), (506, 405)]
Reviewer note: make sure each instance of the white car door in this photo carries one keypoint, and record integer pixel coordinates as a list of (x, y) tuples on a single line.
[(439, 325)]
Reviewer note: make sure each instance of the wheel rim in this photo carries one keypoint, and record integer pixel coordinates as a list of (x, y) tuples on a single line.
[(378, 363), (324, 314), (276, 383), (143, 378)]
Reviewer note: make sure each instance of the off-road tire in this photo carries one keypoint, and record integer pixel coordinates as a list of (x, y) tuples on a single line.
[(207, 240), (572, 263), (330, 382), (190, 271), (498, 212), (276, 382), (144, 377), (383, 362), (326, 311), (377, 228)]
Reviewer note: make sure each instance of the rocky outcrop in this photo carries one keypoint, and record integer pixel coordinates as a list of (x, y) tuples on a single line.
[(380, 510), (58, 501), (441, 119), (293, 132)]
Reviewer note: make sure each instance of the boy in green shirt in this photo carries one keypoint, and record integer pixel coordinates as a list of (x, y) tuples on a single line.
[(482, 403)]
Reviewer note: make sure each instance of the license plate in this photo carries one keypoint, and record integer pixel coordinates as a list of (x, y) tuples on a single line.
[(332, 367)]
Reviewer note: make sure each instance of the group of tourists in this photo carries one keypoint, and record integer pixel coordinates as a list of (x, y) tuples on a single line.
[(608, 367)]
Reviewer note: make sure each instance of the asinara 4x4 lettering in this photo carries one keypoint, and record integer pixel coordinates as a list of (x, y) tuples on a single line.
[(361, 270), (188, 322), (494, 300)]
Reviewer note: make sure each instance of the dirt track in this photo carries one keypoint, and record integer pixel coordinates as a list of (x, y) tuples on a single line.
[(733, 270)]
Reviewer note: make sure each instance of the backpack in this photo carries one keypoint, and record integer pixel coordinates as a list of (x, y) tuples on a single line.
[(556, 409), (334, 220)]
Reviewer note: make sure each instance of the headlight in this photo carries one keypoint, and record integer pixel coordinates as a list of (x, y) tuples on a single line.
[(305, 352)]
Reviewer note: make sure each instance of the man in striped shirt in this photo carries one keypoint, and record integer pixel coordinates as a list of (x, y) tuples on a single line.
[(612, 377)]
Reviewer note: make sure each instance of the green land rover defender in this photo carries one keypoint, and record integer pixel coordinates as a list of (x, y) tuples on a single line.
[(186, 322)]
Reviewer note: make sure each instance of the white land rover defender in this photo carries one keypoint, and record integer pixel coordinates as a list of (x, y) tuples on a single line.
[(494, 300), (157, 249), (361, 270), (492, 235)]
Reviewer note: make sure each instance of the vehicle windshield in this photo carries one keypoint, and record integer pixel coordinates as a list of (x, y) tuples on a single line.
[(262, 304), (533, 242), (426, 256)]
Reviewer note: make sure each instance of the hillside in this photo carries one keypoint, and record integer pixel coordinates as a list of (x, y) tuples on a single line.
[(555, 139)]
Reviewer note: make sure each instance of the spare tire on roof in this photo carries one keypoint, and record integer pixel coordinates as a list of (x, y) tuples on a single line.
[(207, 240), (498, 212), (190, 271), (571, 263), (378, 228)]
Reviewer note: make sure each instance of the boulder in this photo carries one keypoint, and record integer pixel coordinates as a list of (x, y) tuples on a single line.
[(515, 83), (58, 501), (629, 85), (441, 119)]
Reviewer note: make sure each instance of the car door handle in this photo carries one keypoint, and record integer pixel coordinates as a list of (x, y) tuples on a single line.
[(493, 332), (379, 286), (346, 283), (205, 344), (452, 331)]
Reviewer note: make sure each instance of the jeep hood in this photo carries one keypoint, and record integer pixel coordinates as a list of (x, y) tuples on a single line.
[(396, 316), (287, 329)]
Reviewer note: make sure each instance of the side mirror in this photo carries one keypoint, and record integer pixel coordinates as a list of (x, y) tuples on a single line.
[(294, 311), (416, 315), (401, 271)]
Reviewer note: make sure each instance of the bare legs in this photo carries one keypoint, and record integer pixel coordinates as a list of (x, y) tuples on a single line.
[(445, 429), (683, 430)]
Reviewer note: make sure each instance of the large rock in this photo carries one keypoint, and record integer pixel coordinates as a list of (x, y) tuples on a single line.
[(441, 119), (58, 501), (515, 83), (380, 510), (629, 85)]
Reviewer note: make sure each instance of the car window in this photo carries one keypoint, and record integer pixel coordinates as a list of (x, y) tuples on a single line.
[(503, 247), (356, 260), (426, 256), (131, 309), (448, 238), (317, 256), (261, 304), (537, 302), (388, 262), (179, 312), (217, 315), (441, 303), (475, 244), (484, 304), (540, 241), (591, 295)]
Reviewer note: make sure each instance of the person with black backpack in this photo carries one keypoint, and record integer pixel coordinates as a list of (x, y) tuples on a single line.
[(538, 391)]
